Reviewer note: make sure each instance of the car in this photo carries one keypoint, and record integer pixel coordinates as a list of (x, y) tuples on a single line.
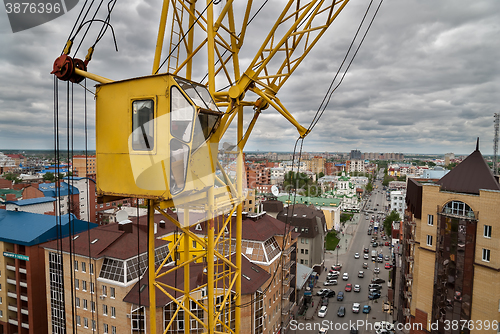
[(331, 276), (341, 311), (340, 296), (361, 274), (383, 326), (322, 292), (365, 256), (336, 267), (384, 238), (366, 250), (330, 282), (323, 330), (322, 311), (330, 294), (356, 256), (365, 265), (388, 265), (367, 309), (348, 287), (378, 280), (386, 258), (369, 232), (324, 301), (355, 308), (374, 290), (375, 244), (376, 270), (357, 288), (380, 260), (374, 295), (387, 243), (345, 276), (375, 286)]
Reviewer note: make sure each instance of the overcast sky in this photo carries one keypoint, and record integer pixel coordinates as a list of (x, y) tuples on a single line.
[(426, 79)]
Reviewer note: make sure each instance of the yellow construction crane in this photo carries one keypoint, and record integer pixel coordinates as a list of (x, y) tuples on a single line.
[(166, 128)]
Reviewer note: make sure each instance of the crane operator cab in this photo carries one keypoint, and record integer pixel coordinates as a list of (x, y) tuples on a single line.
[(156, 137)]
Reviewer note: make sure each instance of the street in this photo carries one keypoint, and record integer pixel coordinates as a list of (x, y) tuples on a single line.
[(355, 239)]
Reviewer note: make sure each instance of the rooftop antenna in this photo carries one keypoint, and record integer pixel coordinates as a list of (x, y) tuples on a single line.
[(495, 144)]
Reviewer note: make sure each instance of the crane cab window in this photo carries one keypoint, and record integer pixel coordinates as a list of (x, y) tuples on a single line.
[(181, 116), (143, 125)]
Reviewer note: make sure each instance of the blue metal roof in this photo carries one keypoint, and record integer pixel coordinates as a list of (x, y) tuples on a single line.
[(32, 201), (49, 189), (28, 229)]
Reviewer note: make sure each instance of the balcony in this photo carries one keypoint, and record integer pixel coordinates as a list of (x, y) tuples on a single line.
[(287, 251), (24, 297), (287, 280), (25, 325), (12, 294), (288, 265), (11, 307), (13, 321), (10, 267), (22, 270), (286, 309), (287, 294), (11, 281), (24, 311), (24, 284)]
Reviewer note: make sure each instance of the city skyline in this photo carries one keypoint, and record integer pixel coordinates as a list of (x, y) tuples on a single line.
[(425, 80)]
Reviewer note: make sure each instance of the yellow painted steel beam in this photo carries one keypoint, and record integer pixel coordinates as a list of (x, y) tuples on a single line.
[(151, 265), (92, 76), (161, 36), (239, 223)]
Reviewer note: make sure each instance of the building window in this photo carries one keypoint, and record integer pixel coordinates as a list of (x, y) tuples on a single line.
[(105, 309), (91, 267), (458, 208), (84, 267), (306, 262), (76, 265), (57, 310), (113, 330), (112, 292), (194, 243), (92, 287), (486, 255), (487, 231), (93, 325), (85, 304), (302, 240), (430, 220), (106, 329), (92, 306), (307, 251), (104, 290), (77, 284), (77, 302), (301, 261), (84, 285), (113, 312), (429, 240), (78, 320), (85, 322), (301, 251)]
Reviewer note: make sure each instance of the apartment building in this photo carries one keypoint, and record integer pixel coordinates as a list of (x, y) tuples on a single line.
[(398, 201), (84, 166), (23, 291), (451, 250)]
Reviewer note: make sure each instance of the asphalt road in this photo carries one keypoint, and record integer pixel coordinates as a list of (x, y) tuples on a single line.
[(352, 266)]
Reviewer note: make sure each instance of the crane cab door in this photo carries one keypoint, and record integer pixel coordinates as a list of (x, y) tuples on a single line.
[(155, 137)]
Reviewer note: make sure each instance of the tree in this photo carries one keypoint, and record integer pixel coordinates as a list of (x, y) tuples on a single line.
[(431, 164), (12, 177), (393, 216), (451, 165), (369, 187), (48, 176)]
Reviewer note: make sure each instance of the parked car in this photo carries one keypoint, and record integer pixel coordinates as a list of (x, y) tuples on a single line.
[(348, 287), (374, 295), (341, 311), (340, 296), (357, 288), (330, 282), (367, 309), (356, 256), (323, 330), (375, 286), (387, 243), (324, 301), (355, 308), (380, 260), (388, 265), (386, 258), (330, 294), (375, 244), (378, 280), (345, 276), (322, 311), (322, 292)]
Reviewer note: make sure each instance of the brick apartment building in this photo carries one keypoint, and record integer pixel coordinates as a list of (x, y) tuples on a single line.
[(23, 290), (84, 166), (450, 269)]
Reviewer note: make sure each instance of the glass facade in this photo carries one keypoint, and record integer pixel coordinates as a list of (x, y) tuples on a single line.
[(454, 268)]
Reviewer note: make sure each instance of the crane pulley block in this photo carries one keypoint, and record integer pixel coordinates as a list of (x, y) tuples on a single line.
[(155, 137)]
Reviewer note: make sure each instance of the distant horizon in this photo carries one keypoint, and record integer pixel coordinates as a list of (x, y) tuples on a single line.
[(79, 151)]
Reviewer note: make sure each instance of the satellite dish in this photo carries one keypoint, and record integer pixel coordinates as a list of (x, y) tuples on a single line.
[(121, 215), (275, 191)]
